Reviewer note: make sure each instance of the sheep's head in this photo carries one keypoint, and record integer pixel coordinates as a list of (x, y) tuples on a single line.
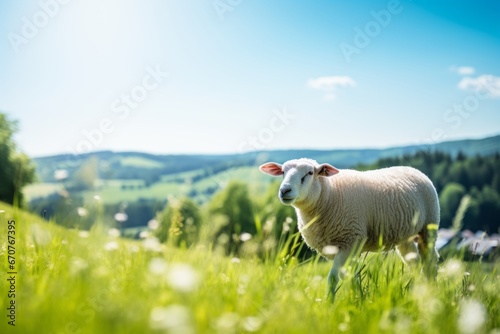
[(299, 177)]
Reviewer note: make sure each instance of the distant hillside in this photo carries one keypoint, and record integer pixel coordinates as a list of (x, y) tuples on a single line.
[(351, 157), (151, 168), (143, 183)]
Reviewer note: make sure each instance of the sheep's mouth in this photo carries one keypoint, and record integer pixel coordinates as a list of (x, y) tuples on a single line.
[(287, 200)]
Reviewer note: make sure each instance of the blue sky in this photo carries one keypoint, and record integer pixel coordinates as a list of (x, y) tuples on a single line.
[(225, 76)]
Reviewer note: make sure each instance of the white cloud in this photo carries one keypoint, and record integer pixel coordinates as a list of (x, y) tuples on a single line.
[(330, 84), (485, 83), (464, 70)]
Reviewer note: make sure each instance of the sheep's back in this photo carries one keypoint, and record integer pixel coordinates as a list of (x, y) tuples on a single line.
[(394, 203)]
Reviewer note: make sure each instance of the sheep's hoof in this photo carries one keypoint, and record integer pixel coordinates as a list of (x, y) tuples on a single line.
[(331, 296), (332, 290)]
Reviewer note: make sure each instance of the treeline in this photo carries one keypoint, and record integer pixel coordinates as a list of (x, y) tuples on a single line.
[(476, 177)]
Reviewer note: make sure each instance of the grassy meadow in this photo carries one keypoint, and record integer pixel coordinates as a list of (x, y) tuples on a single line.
[(70, 281)]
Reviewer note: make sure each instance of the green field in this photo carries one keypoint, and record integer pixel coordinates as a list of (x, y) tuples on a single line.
[(68, 281), (176, 185), (140, 162)]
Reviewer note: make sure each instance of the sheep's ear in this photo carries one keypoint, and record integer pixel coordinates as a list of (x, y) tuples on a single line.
[(271, 168), (326, 170)]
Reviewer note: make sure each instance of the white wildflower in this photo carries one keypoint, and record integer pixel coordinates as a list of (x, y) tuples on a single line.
[(243, 284), (472, 316), (227, 323), (453, 269), (252, 324), (61, 174), (158, 266), (111, 246), (182, 277), (343, 326), (144, 234), (152, 244), (316, 280), (77, 265), (133, 249), (411, 256), (245, 236), (121, 217), (172, 319), (83, 234), (114, 232), (421, 292), (153, 224), (82, 212)]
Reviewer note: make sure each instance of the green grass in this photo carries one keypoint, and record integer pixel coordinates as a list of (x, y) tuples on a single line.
[(43, 189), (134, 161), (115, 194), (73, 282)]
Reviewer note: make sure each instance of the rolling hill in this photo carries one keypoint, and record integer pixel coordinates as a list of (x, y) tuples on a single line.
[(128, 165), (129, 176)]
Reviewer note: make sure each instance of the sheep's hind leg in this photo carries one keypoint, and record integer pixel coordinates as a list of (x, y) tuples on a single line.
[(334, 274), (427, 247)]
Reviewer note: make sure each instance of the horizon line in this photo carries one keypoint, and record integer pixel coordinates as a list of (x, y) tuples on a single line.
[(425, 144)]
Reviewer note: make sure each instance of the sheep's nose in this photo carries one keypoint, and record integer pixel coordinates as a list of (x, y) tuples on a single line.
[(285, 190)]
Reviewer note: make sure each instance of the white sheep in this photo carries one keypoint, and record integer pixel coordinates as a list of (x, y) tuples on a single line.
[(359, 211)]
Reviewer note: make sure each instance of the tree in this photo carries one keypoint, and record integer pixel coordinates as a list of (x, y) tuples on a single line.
[(440, 175), (180, 223), (16, 168), (232, 213), (489, 210), (459, 174), (85, 176), (449, 200)]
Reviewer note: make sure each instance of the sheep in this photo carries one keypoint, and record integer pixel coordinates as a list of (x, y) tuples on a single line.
[(359, 211)]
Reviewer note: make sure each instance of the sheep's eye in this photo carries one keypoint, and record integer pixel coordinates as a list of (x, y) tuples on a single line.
[(310, 173), (304, 177)]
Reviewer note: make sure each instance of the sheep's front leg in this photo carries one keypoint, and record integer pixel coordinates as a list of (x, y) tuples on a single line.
[(333, 276)]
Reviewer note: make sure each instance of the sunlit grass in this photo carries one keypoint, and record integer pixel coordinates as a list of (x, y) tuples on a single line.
[(94, 282)]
